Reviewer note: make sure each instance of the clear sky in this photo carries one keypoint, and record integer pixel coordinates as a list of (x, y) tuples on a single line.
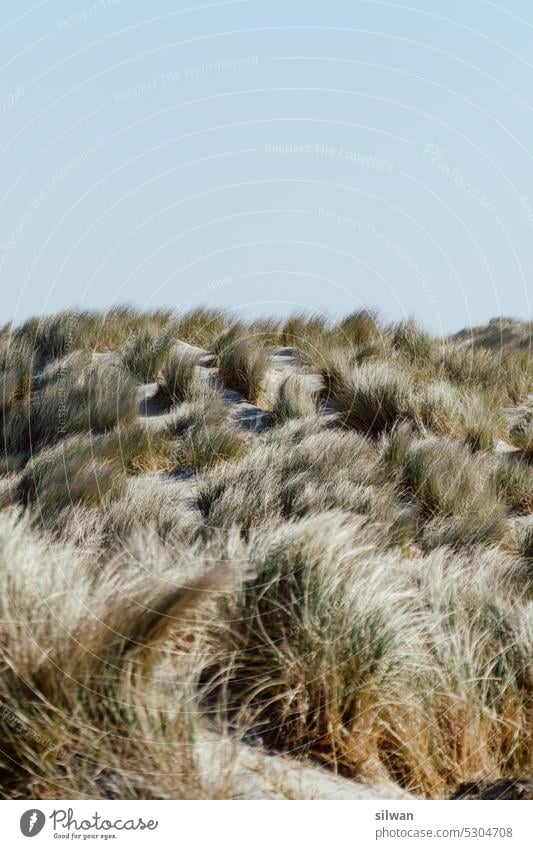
[(268, 156)]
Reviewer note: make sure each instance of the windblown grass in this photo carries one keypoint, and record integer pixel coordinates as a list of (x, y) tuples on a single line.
[(74, 471), (522, 434), (412, 341), (16, 372), (146, 355), (360, 327), (177, 377), (382, 530), (203, 435), (514, 482), (94, 721), (243, 368), (445, 478), (97, 400), (455, 493), (321, 471), (294, 400), (301, 329), (332, 656), (468, 416), (201, 326), (503, 378), (373, 398)]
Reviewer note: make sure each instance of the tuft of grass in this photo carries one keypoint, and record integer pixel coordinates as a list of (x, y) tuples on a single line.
[(364, 660), (332, 364), (373, 398), (149, 504), (294, 431), (523, 540), (310, 654), (502, 378), (177, 377), (86, 679), (360, 327), (455, 493), (141, 448), (265, 331), (521, 434), (393, 448), (446, 410), (412, 341), (231, 334), (294, 400), (114, 329), (485, 528), (72, 472), (282, 479), (146, 355), (201, 326), (482, 422), (204, 446), (445, 478), (8, 488), (16, 372), (514, 483), (49, 337), (97, 400), (15, 433), (243, 368), (203, 435), (441, 407), (302, 329)]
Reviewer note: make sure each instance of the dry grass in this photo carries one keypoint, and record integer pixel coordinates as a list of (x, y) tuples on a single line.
[(384, 628), (360, 327), (514, 482), (300, 330), (522, 434), (177, 377), (523, 539), (201, 326), (149, 502), (85, 652), (373, 398), (205, 445), (445, 478), (291, 477), (203, 436), (146, 355), (16, 372), (412, 341), (97, 400), (243, 368), (141, 448), (76, 470), (504, 378), (293, 401), (368, 663), (446, 410)]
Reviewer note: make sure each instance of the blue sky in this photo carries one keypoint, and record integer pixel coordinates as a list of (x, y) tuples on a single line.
[(267, 157)]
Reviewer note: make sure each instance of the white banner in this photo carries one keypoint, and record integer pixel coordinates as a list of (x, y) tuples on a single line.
[(256, 825)]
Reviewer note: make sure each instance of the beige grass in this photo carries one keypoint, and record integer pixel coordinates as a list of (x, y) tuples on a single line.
[(369, 662), (293, 400), (373, 398), (243, 368), (350, 585), (522, 434)]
